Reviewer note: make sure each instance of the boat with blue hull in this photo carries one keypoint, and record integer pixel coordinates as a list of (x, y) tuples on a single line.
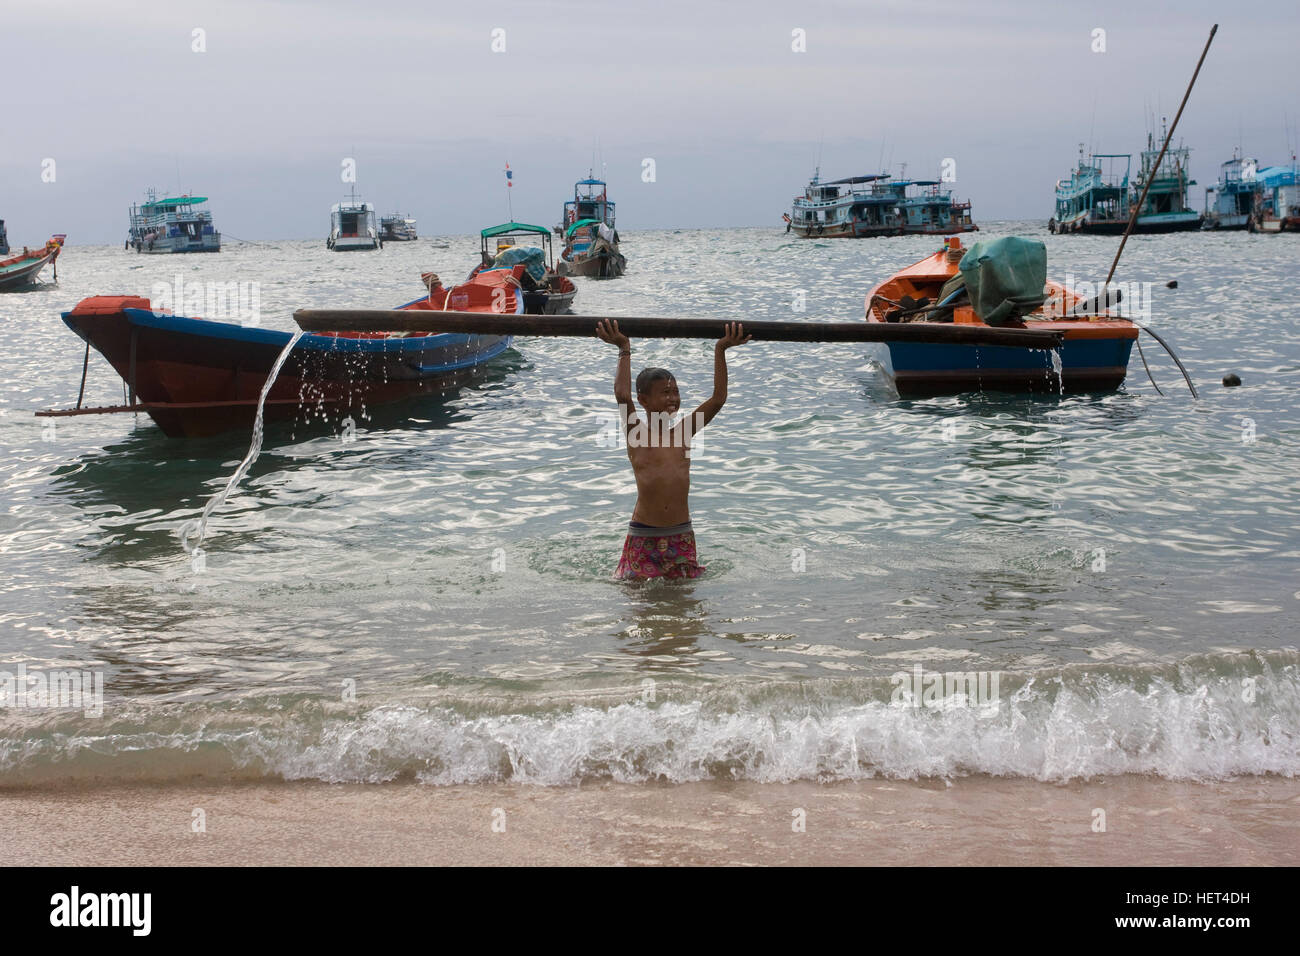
[(1235, 195), (1278, 205), (1093, 357), (197, 377)]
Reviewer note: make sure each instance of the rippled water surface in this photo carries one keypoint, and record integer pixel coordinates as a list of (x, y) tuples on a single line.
[(1111, 556)]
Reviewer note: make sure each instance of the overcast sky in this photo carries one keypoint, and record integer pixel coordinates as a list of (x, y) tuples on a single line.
[(261, 122)]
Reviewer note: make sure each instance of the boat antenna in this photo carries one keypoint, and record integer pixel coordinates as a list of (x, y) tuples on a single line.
[(1146, 186), (1092, 146)]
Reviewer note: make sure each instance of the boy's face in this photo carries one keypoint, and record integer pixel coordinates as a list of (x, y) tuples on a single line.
[(662, 396)]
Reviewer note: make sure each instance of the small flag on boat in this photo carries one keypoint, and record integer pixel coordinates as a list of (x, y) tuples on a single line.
[(509, 176)]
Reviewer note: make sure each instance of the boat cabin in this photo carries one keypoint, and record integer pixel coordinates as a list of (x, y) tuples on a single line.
[(589, 202), (352, 226)]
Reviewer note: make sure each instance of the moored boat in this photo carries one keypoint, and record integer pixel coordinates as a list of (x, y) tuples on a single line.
[(352, 226), (591, 249), (853, 207), (21, 270), (197, 377), (1098, 199), (591, 243), (932, 211), (1010, 290), (172, 224), (1165, 208), (513, 246), (876, 204), (1234, 195), (1095, 199), (1277, 207), (398, 227)]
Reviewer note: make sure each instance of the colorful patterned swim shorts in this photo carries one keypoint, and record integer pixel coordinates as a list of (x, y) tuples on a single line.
[(651, 552)]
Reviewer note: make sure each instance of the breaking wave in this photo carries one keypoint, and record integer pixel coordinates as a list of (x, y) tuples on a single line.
[(1210, 717)]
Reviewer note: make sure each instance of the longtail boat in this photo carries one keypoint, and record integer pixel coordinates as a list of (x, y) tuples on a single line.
[(514, 244), (22, 269), (197, 377), (1093, 355)]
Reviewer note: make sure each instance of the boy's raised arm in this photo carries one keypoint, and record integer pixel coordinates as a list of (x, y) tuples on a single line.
[(607, 331), (713, 404)]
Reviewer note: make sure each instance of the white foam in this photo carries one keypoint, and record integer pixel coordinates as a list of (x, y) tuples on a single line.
[(1187, 723)]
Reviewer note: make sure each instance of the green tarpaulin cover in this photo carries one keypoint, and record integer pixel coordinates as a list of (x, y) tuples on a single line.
[(1005, 278)]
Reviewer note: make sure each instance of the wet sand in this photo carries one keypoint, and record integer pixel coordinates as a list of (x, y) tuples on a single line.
[(978, 821)]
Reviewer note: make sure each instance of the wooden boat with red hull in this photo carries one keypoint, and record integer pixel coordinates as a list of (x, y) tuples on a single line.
[(22, 270), (1093, 356), (196, 377)]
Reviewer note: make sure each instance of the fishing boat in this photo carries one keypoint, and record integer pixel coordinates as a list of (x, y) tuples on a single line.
[(21, 270), (876, 204), (171, 224), (514, 245), (591, 249), (849, 208), (1234, 194), (1165, 208), (591, 243), (352, 226), (196, 377), (1277, 206), (398, 227), (931, 211), (1000, 283), (1095, 199)]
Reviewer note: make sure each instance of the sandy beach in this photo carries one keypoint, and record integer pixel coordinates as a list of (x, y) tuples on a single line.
[(977, 821)]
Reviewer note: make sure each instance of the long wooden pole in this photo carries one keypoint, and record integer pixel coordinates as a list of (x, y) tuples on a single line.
[(1132, 219), (492, 323)]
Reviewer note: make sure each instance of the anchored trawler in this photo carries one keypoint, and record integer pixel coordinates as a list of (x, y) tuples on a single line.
[(591, 246), (1278, 205), (398, 227), (1098, 198), (1166, 208), (172, 224), (876, 205), (1234, 195), (352, 226)]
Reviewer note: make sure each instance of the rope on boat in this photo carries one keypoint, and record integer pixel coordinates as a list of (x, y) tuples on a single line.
[(1177, 362), (1142, 355)]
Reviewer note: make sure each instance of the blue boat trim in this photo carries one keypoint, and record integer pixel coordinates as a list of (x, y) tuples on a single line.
[(324, 343)]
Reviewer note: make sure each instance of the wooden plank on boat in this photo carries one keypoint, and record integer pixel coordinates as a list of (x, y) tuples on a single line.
[(489, 323)]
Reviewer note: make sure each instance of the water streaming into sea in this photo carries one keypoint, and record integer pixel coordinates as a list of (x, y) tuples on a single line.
[(428, 597), (198, 528)]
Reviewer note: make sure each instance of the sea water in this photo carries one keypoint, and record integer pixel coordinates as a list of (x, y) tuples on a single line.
[(426, 594)]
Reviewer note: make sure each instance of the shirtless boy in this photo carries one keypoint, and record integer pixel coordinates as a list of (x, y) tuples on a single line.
[(660, 542)]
